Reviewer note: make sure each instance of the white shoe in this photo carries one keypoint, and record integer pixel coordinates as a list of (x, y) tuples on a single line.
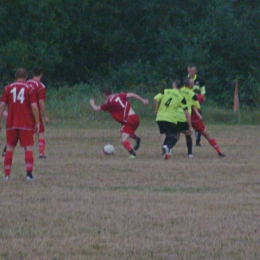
[(190, 155), (28, 178), (6, 178), (166, 152)]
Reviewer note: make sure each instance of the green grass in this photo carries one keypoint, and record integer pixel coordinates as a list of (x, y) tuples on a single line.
[(71, 106), (86, 205)]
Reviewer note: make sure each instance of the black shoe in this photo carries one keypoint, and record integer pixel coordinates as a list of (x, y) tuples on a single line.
[(138, 141), (42, 156), (4, 151), (221, 155), (198, 144), (29, 176)]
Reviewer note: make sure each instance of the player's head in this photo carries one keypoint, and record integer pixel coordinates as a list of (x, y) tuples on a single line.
[(21, 74), (176, 84), (187, 82), (107, 91), (192, 70), (37, 71)]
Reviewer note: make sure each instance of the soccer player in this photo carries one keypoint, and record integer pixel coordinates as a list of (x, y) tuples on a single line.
[(166, 105), (183, 125), (192, 101), (199, 88), (119, 107), (198, 125), (40, 89), (22, 121)]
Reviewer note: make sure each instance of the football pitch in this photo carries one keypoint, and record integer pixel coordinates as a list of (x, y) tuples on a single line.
[(87, 205)]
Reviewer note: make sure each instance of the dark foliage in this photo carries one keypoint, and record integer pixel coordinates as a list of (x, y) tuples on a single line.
[(137, 44)]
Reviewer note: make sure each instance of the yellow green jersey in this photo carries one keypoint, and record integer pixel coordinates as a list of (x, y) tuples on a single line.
[(191, 100), (170, 100), (199, 86)]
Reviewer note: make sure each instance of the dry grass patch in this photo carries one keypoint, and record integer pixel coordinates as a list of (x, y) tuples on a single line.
[(85, 205)]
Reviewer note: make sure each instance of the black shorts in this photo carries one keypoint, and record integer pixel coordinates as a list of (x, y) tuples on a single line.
[(183, 126), (167, 128)]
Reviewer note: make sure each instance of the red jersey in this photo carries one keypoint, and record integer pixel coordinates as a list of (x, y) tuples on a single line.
[(39, 88), (19, 96), (118, 106)]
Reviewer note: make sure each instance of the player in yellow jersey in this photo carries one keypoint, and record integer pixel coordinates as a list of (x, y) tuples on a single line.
[(166, 105), (183, 125)]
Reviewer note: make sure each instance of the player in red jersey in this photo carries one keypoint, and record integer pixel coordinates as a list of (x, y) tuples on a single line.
[(198, 126), (40, 89), (119, 107), (22, 120), (198, 88)]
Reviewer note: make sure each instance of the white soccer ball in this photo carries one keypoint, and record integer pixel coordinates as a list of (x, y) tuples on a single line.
[(109, 149)]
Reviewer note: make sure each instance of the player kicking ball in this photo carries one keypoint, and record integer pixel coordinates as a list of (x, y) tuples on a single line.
[(119, 107)]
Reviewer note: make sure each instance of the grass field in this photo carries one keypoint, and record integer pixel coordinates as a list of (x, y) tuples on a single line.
[(86, 205)]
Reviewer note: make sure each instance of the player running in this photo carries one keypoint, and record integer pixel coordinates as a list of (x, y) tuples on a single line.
[(119, 107), (166, 105)]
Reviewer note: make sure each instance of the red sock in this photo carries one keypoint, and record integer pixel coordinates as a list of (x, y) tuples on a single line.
[(214, 144), (41, 144), (127, 145), (29, 160), (8, 162)]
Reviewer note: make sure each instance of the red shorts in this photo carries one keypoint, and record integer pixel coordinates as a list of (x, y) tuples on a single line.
[(197, 123), (25, 137), (131, 125), (198, 126)]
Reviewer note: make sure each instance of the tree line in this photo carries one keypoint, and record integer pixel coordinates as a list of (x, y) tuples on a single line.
[(139, 44)]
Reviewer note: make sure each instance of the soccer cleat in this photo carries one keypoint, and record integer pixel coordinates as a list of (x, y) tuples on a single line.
[(42, 156), (166, 152), (3, 152), (132, 156), (190, 155), (6, 178), (29, 176), (221, 155), (138, 141), (198, 144)]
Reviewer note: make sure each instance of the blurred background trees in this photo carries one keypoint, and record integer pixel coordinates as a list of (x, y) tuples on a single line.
[(135, 44)]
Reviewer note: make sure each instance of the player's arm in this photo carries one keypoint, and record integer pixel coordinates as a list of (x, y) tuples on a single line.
[(93, 105), (35, 112), (155, 106), (133, 95), (43, 110), (2, 108), (195, 109), (156, 102), (187, 115)]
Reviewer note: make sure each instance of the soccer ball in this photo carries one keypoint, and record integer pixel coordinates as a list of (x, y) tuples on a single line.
[(109, 149)]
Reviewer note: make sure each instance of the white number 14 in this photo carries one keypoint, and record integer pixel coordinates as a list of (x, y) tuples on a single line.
[(20, 95)]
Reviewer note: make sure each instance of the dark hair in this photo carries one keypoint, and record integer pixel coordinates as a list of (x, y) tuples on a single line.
[(37, 71), (21, 73), (191, 65), (177, 83), (107, 91), (186, 82)]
